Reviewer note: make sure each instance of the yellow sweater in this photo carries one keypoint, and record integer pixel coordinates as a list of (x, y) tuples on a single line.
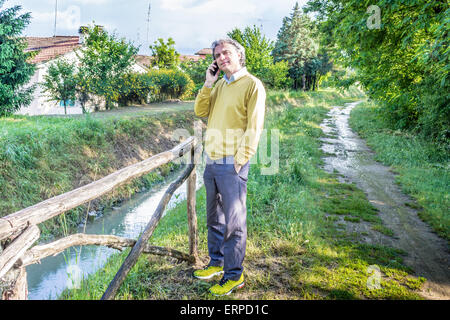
[(235, 114)]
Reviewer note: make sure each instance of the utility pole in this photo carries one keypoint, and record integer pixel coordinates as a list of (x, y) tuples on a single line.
[(56, 15), (148, 18)]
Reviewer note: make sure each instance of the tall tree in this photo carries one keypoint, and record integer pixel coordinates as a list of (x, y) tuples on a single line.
[(258, 54), (164, 54), (258, 48), (15, 71), (104, 60), (296, 44)]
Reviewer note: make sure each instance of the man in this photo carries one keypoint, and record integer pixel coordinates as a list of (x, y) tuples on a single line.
[(235, 109)]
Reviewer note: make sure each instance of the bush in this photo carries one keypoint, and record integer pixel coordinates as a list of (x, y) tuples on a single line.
[(136, 88), (276, 76), (170, 84), (156, 85), (196, 71)]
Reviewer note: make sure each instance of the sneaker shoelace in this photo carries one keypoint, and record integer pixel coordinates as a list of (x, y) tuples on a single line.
[(222, 282)]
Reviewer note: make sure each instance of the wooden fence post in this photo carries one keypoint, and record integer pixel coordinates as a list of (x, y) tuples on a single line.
[(17, 248), (191, 212), (14, 280)]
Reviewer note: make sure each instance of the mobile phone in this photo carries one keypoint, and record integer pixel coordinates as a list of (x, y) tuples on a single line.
[(216, 69)]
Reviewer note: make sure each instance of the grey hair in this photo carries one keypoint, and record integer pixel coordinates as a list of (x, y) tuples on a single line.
[(240, 49)]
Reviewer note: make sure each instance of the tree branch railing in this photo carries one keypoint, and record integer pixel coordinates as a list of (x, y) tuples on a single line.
[(20, 229)]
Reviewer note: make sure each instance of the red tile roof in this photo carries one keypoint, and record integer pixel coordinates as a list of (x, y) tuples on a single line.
[(204, 52), (51, 47)]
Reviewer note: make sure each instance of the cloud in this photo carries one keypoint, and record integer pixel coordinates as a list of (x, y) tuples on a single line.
[(194, 24), (69, 19), (174, 5), (92, 2), (211, 7)]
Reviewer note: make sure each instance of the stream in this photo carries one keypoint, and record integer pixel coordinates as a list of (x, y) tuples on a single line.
[(47, 280), (427, 253)]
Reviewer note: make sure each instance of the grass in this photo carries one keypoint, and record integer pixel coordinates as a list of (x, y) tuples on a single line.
[(422, 166), (295, 249)]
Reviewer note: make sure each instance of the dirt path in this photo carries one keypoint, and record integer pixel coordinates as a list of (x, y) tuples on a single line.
[(428, 254), (130, 111)]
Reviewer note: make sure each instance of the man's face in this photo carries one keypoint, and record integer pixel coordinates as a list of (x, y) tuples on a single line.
[(227, 58)]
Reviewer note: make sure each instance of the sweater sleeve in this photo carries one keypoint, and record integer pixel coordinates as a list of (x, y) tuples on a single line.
[(202, 104), (255, 123)]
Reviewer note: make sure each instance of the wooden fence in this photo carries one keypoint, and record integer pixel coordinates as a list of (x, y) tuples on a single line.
[(19, 231)]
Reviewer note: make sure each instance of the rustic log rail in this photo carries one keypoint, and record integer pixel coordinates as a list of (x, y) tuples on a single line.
[(20, 229)]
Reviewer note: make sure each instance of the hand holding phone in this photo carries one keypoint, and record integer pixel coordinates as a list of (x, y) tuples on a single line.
[(215, 69), (212, 74)]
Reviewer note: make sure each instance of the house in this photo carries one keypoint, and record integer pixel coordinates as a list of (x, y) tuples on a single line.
[(49, 50), (65, 47)]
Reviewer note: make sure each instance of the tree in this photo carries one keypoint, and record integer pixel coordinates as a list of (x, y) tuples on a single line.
[(60, 82), (259, 61), (297, 45), (258, 49), (15, 71), (165, 55), (103, 61), (402, 61), (82, 89)]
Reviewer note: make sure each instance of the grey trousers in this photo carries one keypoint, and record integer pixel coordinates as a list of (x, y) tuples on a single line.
[(226, 193)]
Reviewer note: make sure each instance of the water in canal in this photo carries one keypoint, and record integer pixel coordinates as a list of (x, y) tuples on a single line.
[(48, 279)]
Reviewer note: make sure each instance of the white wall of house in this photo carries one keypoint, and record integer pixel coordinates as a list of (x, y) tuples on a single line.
[(40, 104)]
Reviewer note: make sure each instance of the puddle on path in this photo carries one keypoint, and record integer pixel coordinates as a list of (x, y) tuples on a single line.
[(428, 254)]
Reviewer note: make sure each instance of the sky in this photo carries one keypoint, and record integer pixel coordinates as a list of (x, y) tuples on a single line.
[(193, 24)]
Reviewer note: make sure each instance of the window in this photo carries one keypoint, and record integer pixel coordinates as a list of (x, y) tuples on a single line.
[(69, 103)]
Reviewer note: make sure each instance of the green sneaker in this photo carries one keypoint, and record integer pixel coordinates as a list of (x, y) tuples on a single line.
[(225, 286), (208, 272)]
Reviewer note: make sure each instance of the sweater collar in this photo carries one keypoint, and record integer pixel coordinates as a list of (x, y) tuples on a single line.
[(235, 76)]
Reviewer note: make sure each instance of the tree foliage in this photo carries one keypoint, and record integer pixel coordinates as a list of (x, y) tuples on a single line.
[(154, 86), (196, 70), (258, 56), (257, 49), (103, 61), (297, 44), (164, 54), (403, 63), (15, 71), (60, 82), (170, 84)]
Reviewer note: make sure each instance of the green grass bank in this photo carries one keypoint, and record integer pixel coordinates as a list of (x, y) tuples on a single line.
[(41, 157), (297, 248), (422, 167)]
